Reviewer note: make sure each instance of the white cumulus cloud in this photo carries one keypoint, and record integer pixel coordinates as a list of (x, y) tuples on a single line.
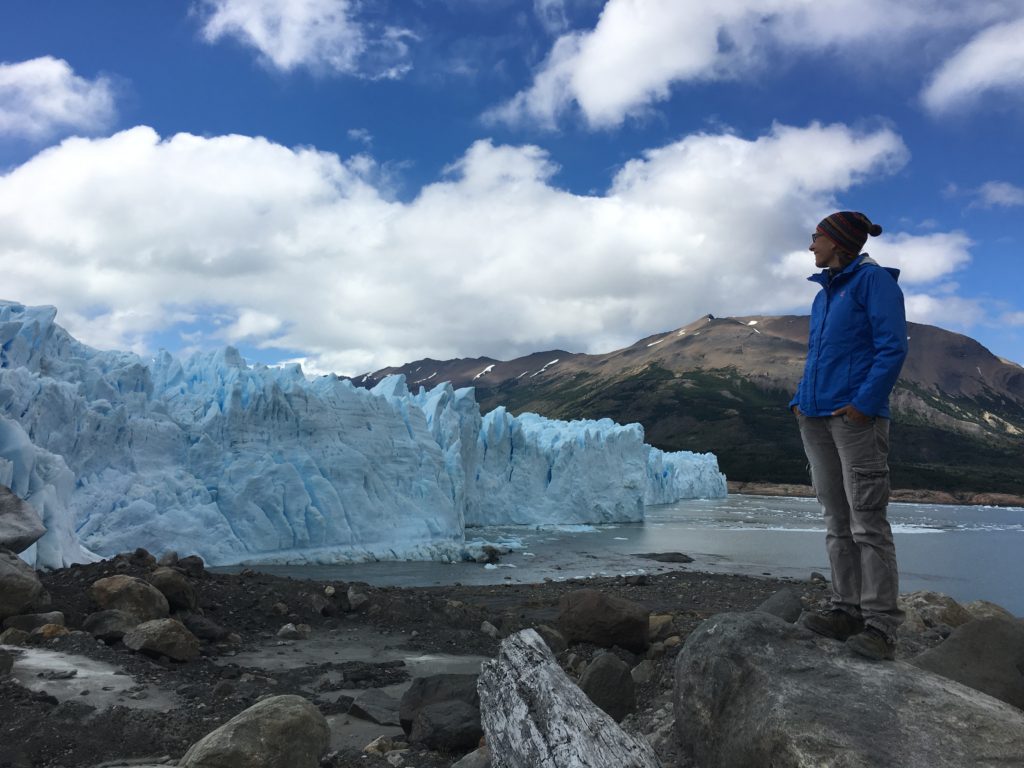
[(1001, 194), (301, 251), (993, 61), (639, 51), (42, 97), (319, 35)]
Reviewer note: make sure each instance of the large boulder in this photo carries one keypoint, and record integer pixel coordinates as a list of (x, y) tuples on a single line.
[(985, 654), (590, 616), (109, 625), (752, 689), (176, 587), (930, 610), (279, 732), (20, 524), (20, 588), (608, 682), (131, 595), (435, 689), (163, 637)]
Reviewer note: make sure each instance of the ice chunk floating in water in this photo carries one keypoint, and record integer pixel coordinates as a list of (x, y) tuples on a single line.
[(251, 463)]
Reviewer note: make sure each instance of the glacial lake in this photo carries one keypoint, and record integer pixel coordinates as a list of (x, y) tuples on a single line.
[(969, 553)]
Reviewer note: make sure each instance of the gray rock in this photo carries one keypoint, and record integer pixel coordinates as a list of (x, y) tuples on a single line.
[(168, 559), (204, 628), (279, 732), (30, 621), (109, 625), (752, 689), (176, 587), (451, 726), (643, 672), (376, 706), (666, 557), (20, 524), (163, 637), (20, 588), (925, 610), (434, 689), (356, 599), (785, 604), (983, 609), (594, 617), (985, 654), (294, 631), (608, 683), (193, 566), (6, 662), (14, 636), (131, 595), (478, 758), (555, 640), (489, 629)]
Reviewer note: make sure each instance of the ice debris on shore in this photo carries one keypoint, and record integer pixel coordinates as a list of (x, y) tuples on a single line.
[(247, 463)]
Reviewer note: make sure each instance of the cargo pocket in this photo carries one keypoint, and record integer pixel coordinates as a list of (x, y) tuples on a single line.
[(870, 488)]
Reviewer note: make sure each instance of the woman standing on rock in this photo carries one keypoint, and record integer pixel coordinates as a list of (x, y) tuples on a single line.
[(856, 347)]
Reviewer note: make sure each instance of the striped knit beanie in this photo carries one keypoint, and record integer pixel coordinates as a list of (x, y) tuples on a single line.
[(849, 230)]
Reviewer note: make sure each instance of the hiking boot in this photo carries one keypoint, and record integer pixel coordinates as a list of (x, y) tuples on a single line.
[(834, 623), (872, 643)]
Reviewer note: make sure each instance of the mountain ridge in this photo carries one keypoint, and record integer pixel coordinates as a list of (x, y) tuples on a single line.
[(722, 384)]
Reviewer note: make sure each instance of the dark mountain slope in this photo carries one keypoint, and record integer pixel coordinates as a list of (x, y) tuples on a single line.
[(722, 385)]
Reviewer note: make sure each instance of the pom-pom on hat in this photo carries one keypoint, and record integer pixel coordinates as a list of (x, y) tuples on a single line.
[(849, 230)]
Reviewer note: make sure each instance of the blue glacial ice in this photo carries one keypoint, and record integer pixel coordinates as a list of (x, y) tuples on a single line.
[(243, 463)]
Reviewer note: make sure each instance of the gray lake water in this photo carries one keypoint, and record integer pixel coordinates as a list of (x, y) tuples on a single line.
[(969, 553)]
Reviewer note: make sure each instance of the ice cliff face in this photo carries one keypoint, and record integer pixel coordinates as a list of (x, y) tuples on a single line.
[(250, 463)]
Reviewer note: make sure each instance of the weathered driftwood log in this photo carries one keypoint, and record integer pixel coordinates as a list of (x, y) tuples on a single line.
[(534, 716)]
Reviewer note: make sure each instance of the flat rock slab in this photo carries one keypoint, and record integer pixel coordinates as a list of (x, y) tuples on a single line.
[(376, 706), (752, 689)]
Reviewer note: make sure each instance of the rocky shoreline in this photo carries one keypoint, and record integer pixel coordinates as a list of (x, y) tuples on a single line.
[(920, 496), (352, 650), (229, 674)]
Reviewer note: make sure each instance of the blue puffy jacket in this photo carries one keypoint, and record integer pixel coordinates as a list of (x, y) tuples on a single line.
[(857, 341)]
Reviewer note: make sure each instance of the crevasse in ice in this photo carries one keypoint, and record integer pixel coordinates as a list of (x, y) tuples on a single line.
[(243, 463)]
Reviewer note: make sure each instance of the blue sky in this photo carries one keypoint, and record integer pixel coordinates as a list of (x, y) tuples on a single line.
[(354, 185)]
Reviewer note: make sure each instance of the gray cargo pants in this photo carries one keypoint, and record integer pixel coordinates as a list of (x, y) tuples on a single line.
[(850, 474)]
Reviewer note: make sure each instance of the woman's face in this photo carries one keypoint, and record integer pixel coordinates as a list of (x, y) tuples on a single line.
[(826, 253)]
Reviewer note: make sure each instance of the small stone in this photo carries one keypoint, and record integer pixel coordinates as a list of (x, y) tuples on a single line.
[(643, 672), (489, 629), (294, 631), (817, 578)]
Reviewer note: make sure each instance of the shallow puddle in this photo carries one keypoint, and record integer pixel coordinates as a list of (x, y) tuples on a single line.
[(68, 677)]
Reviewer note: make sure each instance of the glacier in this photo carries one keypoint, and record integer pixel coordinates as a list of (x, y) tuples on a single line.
[(248, 463)]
